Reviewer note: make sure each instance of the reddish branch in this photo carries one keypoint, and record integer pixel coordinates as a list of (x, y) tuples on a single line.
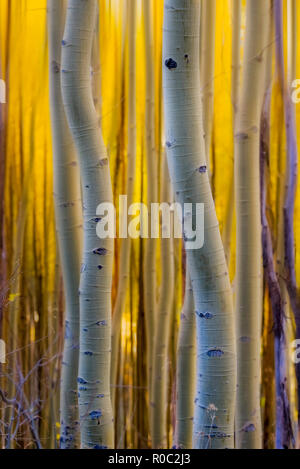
[(20, 410)]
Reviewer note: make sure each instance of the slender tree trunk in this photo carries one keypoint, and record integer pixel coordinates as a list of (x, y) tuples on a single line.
[(207, 69), (291, 174), (284, 432), (152, 188), (68, 212), (249, 251), (292, 41), (235, 87), (186, 370), (216, 357), (96, 421), (163, 329), (126, 243)]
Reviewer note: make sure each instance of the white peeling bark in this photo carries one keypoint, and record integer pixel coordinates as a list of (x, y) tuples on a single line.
[(216, 357), (96, 421)]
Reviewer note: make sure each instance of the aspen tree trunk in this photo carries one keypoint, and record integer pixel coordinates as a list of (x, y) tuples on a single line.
[(207, 69), (68, 212), (248, 213), (96, 421), (216, 356), (126, 243), (186, 370), (291, 76), (163, 329), (235, 86), (152, 188), (292, 41), (284, 432), (291, 174)]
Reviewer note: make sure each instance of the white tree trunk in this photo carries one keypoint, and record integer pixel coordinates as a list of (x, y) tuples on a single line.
[(216, 356), (96, 421), (68, 211), (186, 370), (248, 214)]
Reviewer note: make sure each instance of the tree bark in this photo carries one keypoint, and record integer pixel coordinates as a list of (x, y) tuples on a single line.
[(216, 356), (248, 213), (68, 210), (152, 188), (159, 393), (186, 370), (96, 421), (207, 69), (126, 243)]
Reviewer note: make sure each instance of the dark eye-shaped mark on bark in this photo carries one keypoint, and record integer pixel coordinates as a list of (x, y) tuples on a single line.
[(100, 251), (170, 64), (215, 353)]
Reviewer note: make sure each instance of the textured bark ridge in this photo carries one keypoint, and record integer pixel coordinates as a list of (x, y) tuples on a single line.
[(216, 354), (248, 214), (96, 421), (68, 212)]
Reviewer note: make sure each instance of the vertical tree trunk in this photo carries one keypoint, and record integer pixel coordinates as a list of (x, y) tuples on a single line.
[(207, 69), (68, 212), (216, 357), (249, 251), (163, 328), (152, 188), (291, 174), (126, 243), (96, 421), (186, 370), (235, 87), (284, 432), (292, 41)]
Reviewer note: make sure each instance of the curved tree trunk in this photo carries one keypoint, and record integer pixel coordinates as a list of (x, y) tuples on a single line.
[(248, 213), (216, 357), (96, 421), (68, 212)]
